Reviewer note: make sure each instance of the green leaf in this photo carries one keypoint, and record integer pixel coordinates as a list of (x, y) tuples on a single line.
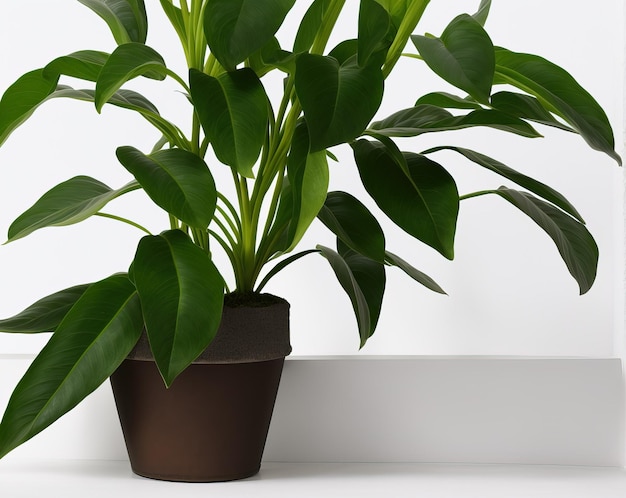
[(283, 264), (128, 61), (21, 99), (270, 56), (182, 294), (235, 29), (374, 24), (85, 65), (541, 189), (463, 56), (414, 273), (560, 94), (233, 110), (354, 225), (310, 25), (448, 101), (574, 242), (68, 203), (176, 180), (423, 200), (483, 12), (351, 286), (126, 18), (45, 314), (525, 107), (308, 176), (89, 344), (338, 100), (426, 118), (175, 15)]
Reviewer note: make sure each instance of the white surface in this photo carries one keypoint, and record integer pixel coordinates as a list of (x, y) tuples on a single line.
[(509, 291), (407, 409), (96, 479)]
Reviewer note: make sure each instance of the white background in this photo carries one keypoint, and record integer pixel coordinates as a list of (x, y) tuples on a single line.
[(509, 292)]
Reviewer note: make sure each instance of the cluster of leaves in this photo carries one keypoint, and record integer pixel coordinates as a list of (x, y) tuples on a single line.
[(278, 157)]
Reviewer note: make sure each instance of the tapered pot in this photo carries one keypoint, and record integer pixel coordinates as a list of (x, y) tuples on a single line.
[(212, 423)]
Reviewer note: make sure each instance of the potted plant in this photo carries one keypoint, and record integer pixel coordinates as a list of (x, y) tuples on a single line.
[(175, 328)]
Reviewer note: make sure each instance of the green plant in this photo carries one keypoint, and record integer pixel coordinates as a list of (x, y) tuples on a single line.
[(278, 155)]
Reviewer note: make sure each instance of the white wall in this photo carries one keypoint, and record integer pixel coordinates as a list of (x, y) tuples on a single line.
[(509, 292)]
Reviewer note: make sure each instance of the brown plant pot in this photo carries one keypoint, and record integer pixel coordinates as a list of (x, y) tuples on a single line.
[(212, 423)]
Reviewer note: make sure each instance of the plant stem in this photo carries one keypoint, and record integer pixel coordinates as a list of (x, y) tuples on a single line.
[(475, 194), (124, 220)]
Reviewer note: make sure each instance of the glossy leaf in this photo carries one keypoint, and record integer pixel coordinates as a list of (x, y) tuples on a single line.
[(181, 295), (351, 287), (426, 118), (338, 101), (374, 24), (354, 225), (463, 56), (233, 110), (45, 314), (89, 344), (308, 176), (536, 187), (85, 65), (310, 25), (423, 200), (525, 107), (560, 94), (68, 203), (21, 99), (128, 61), (176, 180), (126, 18), (414, 273), (235, 29), (574, 242), (448, 101)]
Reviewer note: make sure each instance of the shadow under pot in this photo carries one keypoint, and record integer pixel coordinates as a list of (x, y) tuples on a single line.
[(212, 423)]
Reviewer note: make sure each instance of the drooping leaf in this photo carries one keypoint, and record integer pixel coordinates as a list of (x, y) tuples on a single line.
[(574, 242), (176, 180), (127, 19), (354, 225), (426, 118), (89, 344), (525, 107), (85, 65), (68, 203), (423, 200), (536, 187), (338, 100), (463, 56), (127, 61), (281, 265), (414, 273), (21, 99), (182, 294), (308, 176), (374, 24), (235, 29), (448, 101), (45, 314), (233, 110), (560, 94)]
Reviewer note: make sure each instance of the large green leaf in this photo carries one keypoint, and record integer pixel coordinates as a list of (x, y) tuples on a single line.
[(127, 61), (422, 200), (21, 99), (448, 101), (89, 344), (85, 65), (463, 56), (233, 110), (176, 180), (427, 118), (574, 242), (45, 314), (126, 18), (354, 225), (235, 29), (182, 294), (338, 100), (68, 203), (541, 189), (559, 93), (308, 176), (414, 273), (374, 25), (525, 107)]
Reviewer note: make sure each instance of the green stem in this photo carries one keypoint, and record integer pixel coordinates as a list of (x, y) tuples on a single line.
[(123, 220), (178, 79), (475, 194)]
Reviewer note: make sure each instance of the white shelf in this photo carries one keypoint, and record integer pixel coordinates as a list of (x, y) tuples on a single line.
[(103, 479)]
